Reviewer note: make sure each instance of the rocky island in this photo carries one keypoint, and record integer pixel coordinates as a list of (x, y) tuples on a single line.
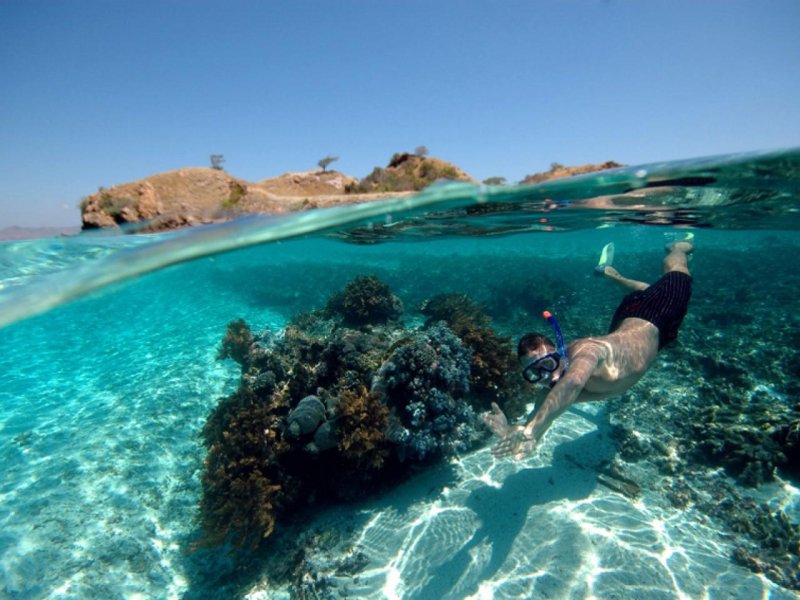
[(197, 195)]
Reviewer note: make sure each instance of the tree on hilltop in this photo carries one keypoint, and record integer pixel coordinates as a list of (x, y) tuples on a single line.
[(216, 161), (421, 151), (324, 162)]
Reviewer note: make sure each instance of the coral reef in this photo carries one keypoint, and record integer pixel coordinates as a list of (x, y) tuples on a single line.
[(243, 484), (362, 420), (787, 437), (745, 434), (237, 342), (717, 411), (726, 419), (766, 542), (351, 356), (425, 381), (365, 301), (493, 360), (306, 417), (343, 402)]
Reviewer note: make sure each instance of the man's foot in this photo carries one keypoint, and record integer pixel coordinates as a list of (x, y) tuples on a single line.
[(685, 244), (606, 259)]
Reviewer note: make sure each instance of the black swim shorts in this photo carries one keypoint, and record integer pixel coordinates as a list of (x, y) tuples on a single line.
[(664, 304)]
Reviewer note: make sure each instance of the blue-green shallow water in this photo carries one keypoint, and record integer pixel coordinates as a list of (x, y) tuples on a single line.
[(103, 400)]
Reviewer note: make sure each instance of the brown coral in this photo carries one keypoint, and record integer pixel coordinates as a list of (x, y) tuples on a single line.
[(244, 487), (237, 342), (492, 357), (362, 421), (366, 300)]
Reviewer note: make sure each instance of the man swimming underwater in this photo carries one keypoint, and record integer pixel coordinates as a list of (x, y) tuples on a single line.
[(596, 368)]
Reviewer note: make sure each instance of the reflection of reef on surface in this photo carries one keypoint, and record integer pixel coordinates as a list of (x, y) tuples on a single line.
[(343, 402)]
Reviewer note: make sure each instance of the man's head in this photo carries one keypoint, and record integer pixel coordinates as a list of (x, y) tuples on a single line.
[(539, 359)]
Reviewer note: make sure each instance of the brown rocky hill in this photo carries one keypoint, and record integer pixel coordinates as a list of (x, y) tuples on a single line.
[(166, 200), (308, 183), (409, 173), (195, 196), (558, 171)]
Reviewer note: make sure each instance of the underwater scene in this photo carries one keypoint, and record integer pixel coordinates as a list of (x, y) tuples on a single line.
[(295, 406)]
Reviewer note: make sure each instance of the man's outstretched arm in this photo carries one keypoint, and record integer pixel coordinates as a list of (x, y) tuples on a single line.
[(520, 440)]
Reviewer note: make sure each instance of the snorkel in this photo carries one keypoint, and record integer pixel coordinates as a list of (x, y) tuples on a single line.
[(562, 350)]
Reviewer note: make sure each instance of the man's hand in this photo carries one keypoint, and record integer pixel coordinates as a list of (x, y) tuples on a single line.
[(515, 440), (496, 421)]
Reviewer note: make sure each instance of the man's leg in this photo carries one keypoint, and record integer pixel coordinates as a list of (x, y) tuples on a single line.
[(629, 284), (677, 258), (605, 269)]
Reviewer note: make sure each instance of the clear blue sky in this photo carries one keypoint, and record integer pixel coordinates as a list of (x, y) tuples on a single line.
[(102, 92)]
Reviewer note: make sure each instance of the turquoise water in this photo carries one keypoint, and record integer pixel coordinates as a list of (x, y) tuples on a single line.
[(110, 370)]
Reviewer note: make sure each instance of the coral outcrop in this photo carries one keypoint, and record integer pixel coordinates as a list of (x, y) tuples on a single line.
[(237, 342), (306, 417), (362, 422), (344, 402), (244, 484), (425, 381), (492, 361), (366, 301)]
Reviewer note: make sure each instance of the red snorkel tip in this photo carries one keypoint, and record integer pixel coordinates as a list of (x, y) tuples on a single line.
[(547, 314)]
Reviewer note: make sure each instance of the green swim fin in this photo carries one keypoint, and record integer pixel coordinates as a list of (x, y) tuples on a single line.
[(606, 258)]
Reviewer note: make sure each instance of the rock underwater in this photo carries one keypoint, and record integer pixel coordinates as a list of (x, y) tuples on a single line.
[(306, 417)]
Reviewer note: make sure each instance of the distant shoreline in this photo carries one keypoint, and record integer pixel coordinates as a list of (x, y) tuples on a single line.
[(15, 232)]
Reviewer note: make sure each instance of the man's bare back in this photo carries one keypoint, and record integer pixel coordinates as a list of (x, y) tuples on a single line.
[(596, 368)]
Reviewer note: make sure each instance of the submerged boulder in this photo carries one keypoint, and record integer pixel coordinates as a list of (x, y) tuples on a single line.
[(306, 416)]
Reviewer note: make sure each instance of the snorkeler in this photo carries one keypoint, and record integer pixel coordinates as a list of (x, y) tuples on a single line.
[(596, 368)]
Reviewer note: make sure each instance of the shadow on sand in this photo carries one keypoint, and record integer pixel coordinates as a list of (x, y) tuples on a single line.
[(502, 512)]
